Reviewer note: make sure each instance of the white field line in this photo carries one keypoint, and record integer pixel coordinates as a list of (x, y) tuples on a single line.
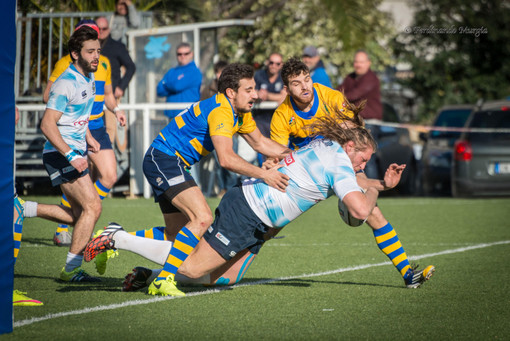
[(219, 289)]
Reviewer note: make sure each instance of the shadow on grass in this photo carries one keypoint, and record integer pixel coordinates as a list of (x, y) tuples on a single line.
[(38, 241), (106, 284), (308, 282), (115, 284)]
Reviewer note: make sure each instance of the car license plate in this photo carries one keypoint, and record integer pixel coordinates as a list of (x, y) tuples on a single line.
[(501, 168)]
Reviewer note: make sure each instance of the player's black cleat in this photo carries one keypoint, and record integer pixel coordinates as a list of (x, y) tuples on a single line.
[(137, 279)]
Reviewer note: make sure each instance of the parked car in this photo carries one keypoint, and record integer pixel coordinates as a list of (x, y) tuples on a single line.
[(481, 159), (394, 145), (436, 161)]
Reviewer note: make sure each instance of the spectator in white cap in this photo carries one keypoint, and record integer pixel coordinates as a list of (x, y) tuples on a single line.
[(312, 59)]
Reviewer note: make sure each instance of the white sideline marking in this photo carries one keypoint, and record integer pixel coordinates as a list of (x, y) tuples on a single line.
[(219, 289)]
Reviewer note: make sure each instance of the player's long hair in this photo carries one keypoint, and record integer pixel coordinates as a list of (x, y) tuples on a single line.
[(342, 128)]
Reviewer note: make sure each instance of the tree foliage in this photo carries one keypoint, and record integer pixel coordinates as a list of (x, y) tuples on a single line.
[(458, 51), (85, 5), (336, 28)]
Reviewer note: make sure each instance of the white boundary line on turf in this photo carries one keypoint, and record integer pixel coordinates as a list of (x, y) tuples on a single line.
[(265, 281)]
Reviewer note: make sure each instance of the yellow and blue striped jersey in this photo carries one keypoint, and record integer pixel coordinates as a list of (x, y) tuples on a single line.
[(102, 77), (188, 135), (288, 121)]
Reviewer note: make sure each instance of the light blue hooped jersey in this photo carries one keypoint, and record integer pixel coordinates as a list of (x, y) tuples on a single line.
[(316, 171), (73, 95)]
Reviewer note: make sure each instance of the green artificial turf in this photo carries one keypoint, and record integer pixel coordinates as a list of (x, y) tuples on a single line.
[(322, 281)]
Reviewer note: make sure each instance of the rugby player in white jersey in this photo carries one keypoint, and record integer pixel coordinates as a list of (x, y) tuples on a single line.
[(65, 126)]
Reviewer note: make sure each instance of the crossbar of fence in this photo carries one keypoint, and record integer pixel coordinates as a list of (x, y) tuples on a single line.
[(25, 47)]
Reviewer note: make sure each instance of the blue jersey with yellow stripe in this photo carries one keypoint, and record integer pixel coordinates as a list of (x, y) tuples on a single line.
[(102, 78), (188, 135), (288, 122)]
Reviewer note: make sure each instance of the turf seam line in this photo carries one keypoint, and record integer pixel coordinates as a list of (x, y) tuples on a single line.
[(27, 322)]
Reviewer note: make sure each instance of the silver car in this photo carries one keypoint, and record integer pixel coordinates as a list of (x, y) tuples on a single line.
[(481, 156)]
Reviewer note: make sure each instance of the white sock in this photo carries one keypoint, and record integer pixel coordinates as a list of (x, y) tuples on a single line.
[(73, 261), (152, 249), (30, 209)]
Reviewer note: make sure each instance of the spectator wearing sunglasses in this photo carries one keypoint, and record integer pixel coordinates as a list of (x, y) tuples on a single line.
[(181, 84), (269, 86)]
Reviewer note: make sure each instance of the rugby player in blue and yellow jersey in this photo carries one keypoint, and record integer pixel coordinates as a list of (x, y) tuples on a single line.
[(104, 164), (206, 126), (305, 103)]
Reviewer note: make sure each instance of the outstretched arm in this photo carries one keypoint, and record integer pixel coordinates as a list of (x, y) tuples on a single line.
[(391, 178), (230, 160), (265, 146)]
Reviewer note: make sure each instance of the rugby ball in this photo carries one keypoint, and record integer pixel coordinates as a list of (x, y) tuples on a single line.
[(346, 216)]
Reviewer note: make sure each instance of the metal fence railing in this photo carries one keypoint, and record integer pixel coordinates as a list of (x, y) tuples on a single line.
[(40, 43), (145, 121)]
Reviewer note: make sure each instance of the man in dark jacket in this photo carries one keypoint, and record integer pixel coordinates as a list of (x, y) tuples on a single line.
[(363, 84), (119, 57)]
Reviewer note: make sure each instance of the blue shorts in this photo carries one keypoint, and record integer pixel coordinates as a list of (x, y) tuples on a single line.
[(101, 136), (168, 176), (59, 169), (235, 226)]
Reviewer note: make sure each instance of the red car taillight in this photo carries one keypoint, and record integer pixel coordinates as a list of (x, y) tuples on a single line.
[(463, 151)]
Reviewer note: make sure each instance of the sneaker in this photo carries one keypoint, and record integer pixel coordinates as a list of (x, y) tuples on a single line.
[(20, 210), (101, 243), (19, 299), (64, 238), (165, 287), (137, 279), (77, 275), (414, 278), (101, 260)]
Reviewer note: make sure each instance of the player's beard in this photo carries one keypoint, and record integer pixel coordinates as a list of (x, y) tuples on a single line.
[(243, 110), (303, 101), (86, 66)]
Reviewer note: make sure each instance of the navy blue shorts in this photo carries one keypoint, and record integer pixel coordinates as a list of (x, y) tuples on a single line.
[(235, 226), (59, 169), (168, 176), (101, 135)]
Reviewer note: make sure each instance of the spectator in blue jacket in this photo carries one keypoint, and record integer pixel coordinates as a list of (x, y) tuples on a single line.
[(312, 59), (181, 83)]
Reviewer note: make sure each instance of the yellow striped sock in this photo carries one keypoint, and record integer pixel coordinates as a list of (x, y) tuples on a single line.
[(184, 243), (389, 243), (157, 233)]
